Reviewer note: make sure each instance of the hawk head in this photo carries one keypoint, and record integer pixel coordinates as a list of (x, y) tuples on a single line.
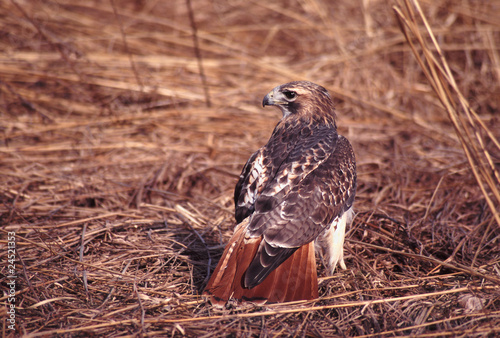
[(300, 98)]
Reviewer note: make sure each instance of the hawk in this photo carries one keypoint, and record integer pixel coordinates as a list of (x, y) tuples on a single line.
[(295, 191)]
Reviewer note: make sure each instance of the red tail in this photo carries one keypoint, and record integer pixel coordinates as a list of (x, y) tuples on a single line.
[(295, 279)]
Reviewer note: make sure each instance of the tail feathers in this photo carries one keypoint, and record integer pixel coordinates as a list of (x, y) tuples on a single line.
[(223, 283), (295, 279)]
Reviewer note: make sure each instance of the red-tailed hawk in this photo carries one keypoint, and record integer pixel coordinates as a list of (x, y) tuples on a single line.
[(296, 190)]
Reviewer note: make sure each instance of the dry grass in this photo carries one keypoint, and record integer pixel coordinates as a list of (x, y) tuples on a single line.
[(118, 163)]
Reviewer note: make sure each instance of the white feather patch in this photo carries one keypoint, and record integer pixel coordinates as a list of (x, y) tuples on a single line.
[(332, 241)]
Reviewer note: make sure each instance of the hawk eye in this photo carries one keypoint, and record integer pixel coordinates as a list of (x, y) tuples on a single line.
[(289, 94)]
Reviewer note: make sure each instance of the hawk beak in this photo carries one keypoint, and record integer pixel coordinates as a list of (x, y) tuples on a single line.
[(268, 100), (273, 99)]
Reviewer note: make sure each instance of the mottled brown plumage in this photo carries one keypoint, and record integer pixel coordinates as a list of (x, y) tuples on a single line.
[(296, 189)]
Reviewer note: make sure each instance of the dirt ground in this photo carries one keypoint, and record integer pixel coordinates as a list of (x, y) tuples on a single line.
[(125, 125)]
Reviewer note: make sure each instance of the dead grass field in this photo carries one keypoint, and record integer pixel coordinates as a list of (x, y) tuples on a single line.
[(119, 159)]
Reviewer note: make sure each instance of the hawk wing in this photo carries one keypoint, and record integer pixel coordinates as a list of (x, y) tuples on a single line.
[(291, 201)]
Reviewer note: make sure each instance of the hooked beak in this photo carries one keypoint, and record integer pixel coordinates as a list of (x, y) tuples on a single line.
[(271, 100), (268, 100)]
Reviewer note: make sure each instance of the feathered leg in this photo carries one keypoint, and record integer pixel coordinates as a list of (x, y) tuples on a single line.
[(332, 241)]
